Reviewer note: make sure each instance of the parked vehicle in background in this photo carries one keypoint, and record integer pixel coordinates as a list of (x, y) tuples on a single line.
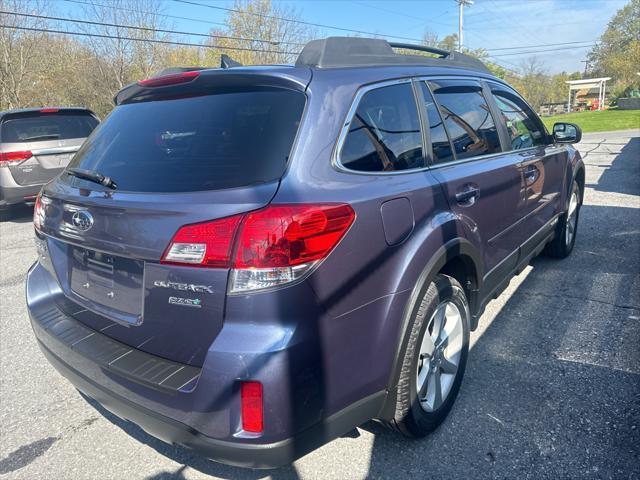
[(253, 261), (36, 144)]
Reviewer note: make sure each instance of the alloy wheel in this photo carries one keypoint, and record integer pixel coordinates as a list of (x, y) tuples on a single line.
[(440, 353), (572, 218)]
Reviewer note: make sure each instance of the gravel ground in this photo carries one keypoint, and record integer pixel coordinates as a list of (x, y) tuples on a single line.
[(552, 389)]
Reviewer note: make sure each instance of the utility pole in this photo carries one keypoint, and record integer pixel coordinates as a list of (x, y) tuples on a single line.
[(586, 66), (461, 5)]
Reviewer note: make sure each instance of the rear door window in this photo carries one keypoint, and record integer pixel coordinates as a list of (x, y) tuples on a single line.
[(440, 145), (467, 117), (384, 134), (210, 142), (525, 130), (42, 127)]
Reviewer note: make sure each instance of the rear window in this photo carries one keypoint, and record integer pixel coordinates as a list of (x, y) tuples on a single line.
[(37, 127), (219, 141)]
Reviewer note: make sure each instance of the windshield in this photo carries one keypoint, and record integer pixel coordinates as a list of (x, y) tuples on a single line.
[(208, 142)]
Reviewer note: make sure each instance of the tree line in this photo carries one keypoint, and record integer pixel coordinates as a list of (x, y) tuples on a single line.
[(117, 42)]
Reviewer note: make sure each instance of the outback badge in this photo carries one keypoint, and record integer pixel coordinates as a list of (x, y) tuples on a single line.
[(183, 287)]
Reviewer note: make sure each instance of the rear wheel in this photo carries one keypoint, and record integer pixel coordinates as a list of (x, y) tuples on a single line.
[(567, 228), (435, 359)]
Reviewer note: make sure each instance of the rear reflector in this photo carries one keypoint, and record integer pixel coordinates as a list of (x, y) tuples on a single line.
[(251, 407), (173, 79), (273, 246), (11, 158)]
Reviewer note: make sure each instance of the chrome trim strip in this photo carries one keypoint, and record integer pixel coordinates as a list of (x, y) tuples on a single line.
[(48, 151), (335, 157)]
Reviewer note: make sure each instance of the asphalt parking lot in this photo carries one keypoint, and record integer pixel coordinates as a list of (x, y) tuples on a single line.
[(552, 388)]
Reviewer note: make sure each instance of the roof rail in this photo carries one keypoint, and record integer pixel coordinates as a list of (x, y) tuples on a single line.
[(421, 48), (333, 52)]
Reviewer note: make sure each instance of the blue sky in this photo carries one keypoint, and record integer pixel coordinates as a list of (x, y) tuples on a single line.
[(489, 24)]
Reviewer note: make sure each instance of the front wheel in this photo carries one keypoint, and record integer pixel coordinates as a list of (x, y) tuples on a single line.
[(567, 228), (435, 359)]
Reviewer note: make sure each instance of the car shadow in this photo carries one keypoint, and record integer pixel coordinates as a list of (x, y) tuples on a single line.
[(615, 176), (186, 458), (533, 401), (20, 214)]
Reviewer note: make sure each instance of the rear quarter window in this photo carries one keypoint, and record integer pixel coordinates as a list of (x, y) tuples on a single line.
[(36, 127), (209, 142), (384, 134)]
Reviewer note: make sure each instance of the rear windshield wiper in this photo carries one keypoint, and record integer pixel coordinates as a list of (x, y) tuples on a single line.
[(92, 177), (35, 138)]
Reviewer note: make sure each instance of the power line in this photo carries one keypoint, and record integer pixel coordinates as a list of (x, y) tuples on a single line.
[(302, 22), (519, 27), (407, 15), (541, 51), (502, 62), (149, 40), (124, 9), (146, 29), (590, 42)]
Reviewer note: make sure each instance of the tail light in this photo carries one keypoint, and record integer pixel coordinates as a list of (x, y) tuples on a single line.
[(173, 79), (38, 213), (251, 407), (12, 158), (265, 248), (204, 244)]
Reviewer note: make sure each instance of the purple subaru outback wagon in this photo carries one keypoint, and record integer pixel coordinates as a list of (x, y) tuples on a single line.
[(251, 261)]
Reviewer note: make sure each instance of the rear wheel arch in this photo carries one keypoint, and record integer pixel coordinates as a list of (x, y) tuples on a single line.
[(457, 258)]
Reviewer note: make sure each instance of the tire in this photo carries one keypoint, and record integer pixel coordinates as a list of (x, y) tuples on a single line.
[(567, 228), (413, 417)]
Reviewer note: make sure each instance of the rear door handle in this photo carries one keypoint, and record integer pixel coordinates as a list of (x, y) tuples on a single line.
[(468, 195)]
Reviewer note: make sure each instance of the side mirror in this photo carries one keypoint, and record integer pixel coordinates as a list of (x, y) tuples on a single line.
[(566, 133)]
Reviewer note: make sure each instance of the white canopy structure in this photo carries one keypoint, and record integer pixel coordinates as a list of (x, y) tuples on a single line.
[(589, 83)]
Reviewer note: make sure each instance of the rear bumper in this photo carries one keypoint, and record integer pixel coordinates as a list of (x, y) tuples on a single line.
[(12, 193), (173, 432), (180, 411), (269, 455)]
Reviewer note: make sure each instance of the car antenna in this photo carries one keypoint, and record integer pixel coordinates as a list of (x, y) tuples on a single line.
[(227, 62)]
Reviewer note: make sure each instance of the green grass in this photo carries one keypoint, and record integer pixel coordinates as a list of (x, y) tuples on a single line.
[(604, 121)]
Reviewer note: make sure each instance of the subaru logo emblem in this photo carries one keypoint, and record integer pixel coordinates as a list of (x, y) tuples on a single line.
[(82, 220)]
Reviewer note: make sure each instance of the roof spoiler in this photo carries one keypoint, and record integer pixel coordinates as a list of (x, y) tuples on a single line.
[(225, 62), (333, 52)]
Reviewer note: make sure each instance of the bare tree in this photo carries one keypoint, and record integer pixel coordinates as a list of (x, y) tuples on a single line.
[(262, 33), (126, 56), (19, 62)]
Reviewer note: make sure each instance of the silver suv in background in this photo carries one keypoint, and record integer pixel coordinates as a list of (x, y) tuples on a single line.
[(36, 144)]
